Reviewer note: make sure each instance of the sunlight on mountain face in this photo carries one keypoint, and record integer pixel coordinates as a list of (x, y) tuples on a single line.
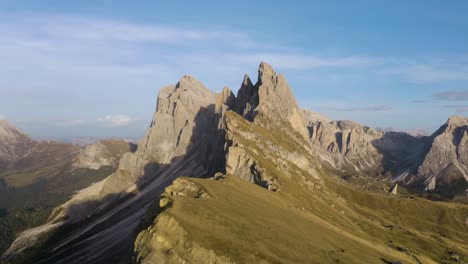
[(249, 176)]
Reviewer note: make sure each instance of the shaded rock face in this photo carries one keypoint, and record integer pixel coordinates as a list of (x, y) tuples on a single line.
[(185, 125), (447, 156), (399, 156)]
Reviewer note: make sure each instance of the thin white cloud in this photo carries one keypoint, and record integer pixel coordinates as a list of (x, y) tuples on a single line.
[(363, 108), (54, 122), (116, 120), (458, 108), (37, 32), (452, 95), (431, 71)]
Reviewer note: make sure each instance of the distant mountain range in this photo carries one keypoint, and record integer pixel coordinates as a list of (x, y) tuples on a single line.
[(37, 176), (253, 178)]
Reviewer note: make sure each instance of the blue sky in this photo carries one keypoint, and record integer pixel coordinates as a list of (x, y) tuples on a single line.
[(93, 68)]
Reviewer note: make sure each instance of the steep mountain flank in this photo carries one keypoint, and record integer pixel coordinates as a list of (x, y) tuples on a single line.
[(186, 137), (348, 143), (313, 217), (14, 144), (397, 156), (446, 162)]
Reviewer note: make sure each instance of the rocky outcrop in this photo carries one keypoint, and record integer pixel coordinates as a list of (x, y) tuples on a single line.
[(102, 153), (447, 157), (271, 96), (397, 156), (349, 145), (184, 187), (165, 241), (14, 144), (311, 117)]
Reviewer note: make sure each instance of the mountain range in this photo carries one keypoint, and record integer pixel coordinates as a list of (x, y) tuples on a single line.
[(37, 176), (253, 178)]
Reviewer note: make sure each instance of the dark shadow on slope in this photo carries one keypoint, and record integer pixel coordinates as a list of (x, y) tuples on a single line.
[(205, 154), (29, 206), (401, 152), (3, 212)]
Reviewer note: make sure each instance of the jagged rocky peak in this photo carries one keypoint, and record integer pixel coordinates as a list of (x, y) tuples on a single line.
[(247, 98), (185, 129), (458, 120), (272, 97), (179, 107), (447, 157), (227, 98)]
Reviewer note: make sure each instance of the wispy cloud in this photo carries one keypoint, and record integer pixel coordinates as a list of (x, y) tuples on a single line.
[(363, 108), (428, 71), (418, 101), (103, 31), (458, 108), (53, 122), (116, 120), (452, 95)]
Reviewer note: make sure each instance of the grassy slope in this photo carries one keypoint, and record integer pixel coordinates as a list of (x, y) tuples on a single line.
[(243, 219), (327, 221)]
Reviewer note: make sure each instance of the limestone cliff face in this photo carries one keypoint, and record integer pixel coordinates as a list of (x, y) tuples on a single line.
[(398, 156), (271, 96), (447, 158), (185, 128), (349, 144), (270, 105)]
